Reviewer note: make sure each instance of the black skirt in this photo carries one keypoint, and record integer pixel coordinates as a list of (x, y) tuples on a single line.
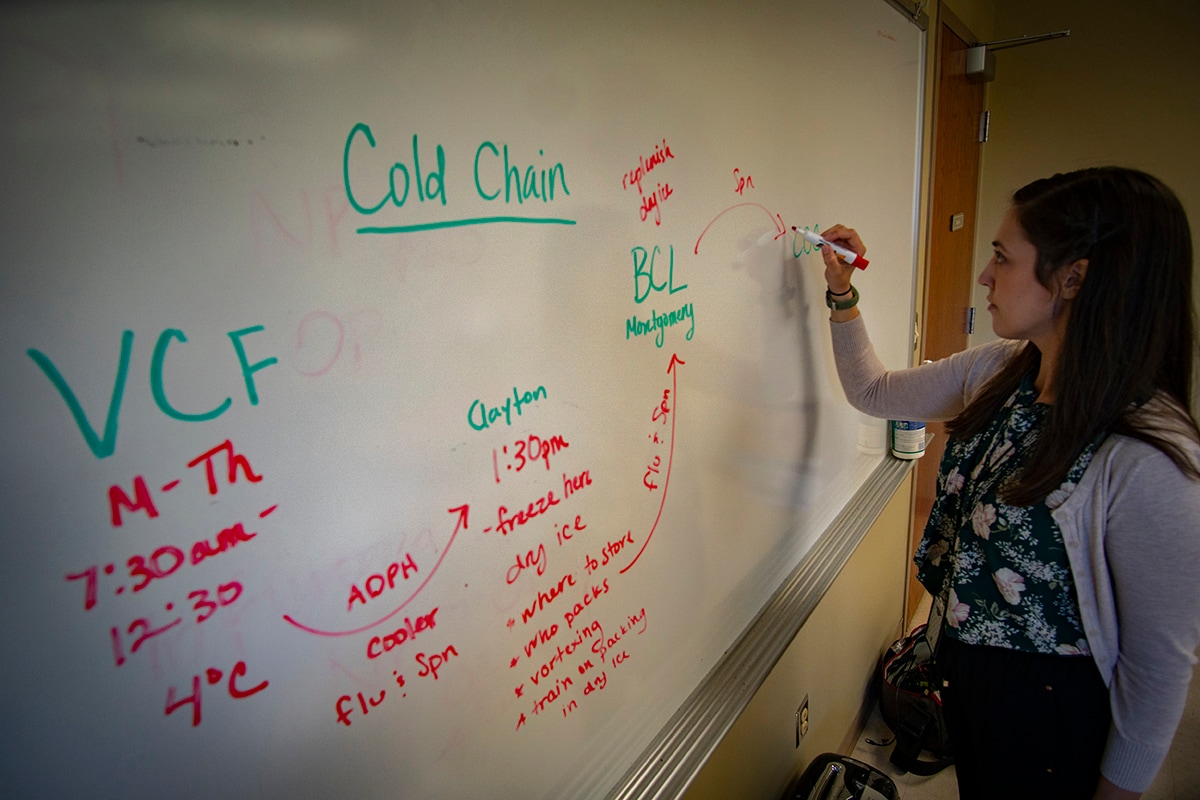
[(1024, 725)]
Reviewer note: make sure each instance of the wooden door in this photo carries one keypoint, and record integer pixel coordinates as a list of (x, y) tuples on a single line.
[(958, 108)]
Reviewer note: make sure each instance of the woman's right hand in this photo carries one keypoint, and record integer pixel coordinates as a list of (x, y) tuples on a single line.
[(837, 271)]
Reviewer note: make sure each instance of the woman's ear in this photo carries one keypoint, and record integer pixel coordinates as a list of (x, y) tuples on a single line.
[(1072, 279)]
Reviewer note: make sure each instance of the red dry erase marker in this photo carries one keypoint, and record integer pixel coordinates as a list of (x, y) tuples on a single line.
[(849, 256)]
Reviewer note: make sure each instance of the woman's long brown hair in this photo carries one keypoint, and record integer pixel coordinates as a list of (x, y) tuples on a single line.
[(1130, 336)]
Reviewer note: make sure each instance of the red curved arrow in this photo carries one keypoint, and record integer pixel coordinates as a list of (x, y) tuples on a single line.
[(776, 220), (462, 523), (670, 457)]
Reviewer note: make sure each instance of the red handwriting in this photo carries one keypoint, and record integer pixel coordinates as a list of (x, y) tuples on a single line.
[(375, 584), (654, 202), (592, 595), (226, 540), (531, 450), (543, 636), (662, 412), (776, 220), (596, 684), (573, 485), (213, 677), (652, 469), (537, 559), (560, 686), (546, 598), (564, 536), (534, 558), (743, 181), (634, 623), (203, 605), (432, 663), (383, 644), (365, 703), (119, 501), (664, 408), (506, 524), (602, 656), (561, 653), (233, 463), (227, 594), (343, 714), (608, 553), (658, 415), (162, 563), (462, 512), (146, 633), (223, 466), (662, 152)]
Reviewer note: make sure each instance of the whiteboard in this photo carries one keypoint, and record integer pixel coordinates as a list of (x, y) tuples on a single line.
[(417, 399)]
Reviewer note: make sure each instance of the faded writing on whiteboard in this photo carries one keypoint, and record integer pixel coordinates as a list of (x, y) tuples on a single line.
[(462, 514)]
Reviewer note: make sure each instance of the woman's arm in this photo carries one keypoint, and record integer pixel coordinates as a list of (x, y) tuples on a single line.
[(929, 392), (1152, 549)]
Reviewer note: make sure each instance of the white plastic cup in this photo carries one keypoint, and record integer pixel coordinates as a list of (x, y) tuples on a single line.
[(872, 436)]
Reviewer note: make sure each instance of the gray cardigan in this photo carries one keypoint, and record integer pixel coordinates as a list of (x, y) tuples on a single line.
[(1132, 532)]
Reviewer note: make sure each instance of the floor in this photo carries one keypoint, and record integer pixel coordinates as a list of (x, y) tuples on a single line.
[(1179, 778)]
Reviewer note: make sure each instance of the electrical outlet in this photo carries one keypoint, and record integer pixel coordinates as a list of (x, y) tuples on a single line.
[(802, 720)]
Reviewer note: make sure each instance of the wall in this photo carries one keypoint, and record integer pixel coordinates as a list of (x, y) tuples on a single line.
[(978, 15), (832, 661), (1121, 89)]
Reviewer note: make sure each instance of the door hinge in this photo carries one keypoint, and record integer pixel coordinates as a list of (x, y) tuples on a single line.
[(985, 123), (971, 321)]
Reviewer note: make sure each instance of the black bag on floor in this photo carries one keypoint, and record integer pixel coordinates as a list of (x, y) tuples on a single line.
[(910, 699)]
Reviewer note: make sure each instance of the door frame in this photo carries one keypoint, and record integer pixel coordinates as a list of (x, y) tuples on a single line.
[(938, 306)]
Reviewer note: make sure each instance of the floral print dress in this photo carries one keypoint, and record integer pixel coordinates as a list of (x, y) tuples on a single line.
[(1012, 584)]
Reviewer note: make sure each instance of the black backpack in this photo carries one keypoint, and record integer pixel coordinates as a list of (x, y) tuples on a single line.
[(911, 704)]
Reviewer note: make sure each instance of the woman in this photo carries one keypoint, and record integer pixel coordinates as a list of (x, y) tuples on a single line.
[(1068, 510)]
